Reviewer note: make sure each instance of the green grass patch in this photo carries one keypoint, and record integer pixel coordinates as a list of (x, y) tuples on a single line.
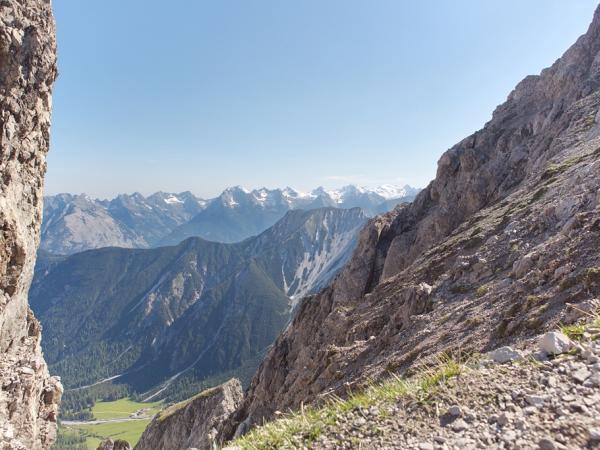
[(303, 427), (123, 408), (534, 300), (574, 332), (129, 431), (538, 194), (481, 291)]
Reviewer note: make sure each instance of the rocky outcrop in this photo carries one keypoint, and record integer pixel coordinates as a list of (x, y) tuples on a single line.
[(28, 396), (195, 423), (495, 249), (109, 444)]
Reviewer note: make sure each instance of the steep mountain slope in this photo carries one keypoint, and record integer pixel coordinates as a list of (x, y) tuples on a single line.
[(238, 214), (29, 396), (73, 223), (305, 249), (200, 308), (492, 251)]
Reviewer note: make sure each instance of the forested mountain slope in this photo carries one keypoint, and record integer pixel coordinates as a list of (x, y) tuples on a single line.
[(200, 308)]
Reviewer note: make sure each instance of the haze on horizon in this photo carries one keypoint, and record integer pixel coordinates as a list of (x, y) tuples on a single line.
[(203, 95)]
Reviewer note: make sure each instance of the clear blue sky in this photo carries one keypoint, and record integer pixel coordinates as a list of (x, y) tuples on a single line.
[(199, 95)]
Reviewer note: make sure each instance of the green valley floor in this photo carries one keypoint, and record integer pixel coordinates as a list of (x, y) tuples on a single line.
[(120, 419)]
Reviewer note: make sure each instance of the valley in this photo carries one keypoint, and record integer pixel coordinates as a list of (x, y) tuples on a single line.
[(121, 419), (164, 323)]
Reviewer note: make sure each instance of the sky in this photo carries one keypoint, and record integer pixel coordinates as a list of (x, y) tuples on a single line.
[(200, 95)]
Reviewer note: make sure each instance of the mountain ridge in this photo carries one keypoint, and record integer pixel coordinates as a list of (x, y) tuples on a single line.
[(77, 222)]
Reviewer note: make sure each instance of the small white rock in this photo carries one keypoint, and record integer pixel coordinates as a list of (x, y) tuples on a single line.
[(535, 400), (505, 354), (555, 343), (580, 375), (459, 425), (26, 370)]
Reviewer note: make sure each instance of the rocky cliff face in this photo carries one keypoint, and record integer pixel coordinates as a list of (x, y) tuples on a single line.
[(28, 396), (195, 423), (495, 249)]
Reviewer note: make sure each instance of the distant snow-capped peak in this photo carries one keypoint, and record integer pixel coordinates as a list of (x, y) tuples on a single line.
[(391, 191)]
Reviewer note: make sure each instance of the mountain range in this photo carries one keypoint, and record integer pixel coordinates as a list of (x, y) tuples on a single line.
[(73, 223), (467, 319), (145, 317)]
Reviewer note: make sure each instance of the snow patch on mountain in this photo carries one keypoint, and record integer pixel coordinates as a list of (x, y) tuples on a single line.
[(172, 200), (391, 191)]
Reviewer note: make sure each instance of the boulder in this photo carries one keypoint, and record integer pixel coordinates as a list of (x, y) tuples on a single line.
[(505, 354), (109, 444), (555, 343)]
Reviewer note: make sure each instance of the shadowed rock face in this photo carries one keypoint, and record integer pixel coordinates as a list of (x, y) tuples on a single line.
[(29, 397), (492, 251), (195, 423)]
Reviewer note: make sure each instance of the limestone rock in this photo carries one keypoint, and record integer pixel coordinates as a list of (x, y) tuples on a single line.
[(194, 423), (505, 354), (28, 398), (555, 343)]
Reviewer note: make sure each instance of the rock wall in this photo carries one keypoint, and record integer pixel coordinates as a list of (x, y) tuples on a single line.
[(28, 395), (493, 250)]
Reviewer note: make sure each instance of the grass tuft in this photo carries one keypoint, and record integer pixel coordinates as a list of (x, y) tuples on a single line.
[(574, 332), (169, 411), (481, 291), (304, 427)]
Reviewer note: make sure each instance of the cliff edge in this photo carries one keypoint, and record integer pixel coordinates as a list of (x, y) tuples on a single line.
[(28, 395)]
